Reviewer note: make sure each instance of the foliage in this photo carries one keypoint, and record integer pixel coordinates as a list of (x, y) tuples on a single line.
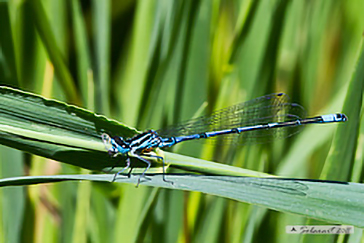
[(153, 63)]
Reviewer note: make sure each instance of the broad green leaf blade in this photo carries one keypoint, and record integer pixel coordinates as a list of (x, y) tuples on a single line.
[(339, 164), (56, 130), (208, 167), (343, 202)]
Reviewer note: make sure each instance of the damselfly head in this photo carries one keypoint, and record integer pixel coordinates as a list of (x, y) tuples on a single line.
[(106, 139)]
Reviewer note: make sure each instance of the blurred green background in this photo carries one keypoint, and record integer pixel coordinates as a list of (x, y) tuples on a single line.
[(150, 63)]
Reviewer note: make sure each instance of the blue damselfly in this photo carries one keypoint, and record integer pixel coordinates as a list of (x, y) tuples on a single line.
[(256, 121)]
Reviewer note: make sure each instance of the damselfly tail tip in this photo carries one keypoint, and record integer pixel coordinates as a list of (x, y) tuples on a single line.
[(341, 117), (106, 139), (338, 117)]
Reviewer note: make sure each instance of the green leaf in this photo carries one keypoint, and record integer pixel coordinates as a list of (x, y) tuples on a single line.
[(339, 163), (343, 201), (56, 130)]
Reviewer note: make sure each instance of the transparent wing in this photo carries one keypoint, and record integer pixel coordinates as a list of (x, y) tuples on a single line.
[(262, 110)]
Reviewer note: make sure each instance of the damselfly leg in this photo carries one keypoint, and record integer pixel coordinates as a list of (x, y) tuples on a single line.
[(125, 168), (163, 166), (148, 166)]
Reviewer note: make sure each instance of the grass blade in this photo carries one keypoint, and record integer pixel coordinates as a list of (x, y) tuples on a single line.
[(343, 201), (339, 164)]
